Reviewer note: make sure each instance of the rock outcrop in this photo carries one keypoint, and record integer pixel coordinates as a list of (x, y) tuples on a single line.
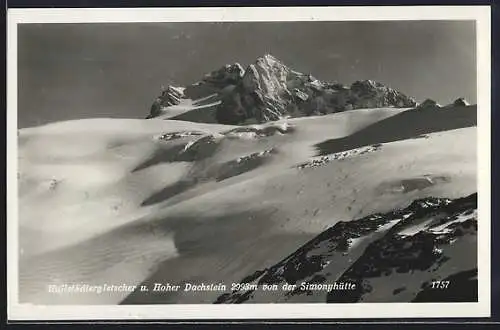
[(169, 96), (428, 104), (227, 75), (460, 102), (372, 94)]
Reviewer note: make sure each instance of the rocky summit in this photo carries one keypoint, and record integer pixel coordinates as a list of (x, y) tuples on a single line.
[(268, 90), (460, 102)]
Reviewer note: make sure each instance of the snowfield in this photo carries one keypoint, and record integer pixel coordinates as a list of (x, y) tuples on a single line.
[(124, 201)]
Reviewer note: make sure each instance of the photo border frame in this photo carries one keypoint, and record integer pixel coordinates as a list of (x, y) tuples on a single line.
[(261, 311)]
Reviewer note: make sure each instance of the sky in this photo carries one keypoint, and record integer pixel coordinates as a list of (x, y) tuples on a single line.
[(73, 71)]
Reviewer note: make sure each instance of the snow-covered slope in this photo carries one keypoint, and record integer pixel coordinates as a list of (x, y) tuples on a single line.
[(388, 257), (171, 201)]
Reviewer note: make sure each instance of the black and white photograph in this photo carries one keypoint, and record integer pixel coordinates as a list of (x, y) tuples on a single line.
[(321, 162)]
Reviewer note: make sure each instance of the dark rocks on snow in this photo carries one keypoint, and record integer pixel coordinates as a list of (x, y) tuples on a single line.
[(391, 250)]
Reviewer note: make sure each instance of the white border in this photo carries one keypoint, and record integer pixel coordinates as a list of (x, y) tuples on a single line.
[(481, 14)]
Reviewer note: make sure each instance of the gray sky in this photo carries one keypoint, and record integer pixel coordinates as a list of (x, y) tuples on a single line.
[(71, 71)]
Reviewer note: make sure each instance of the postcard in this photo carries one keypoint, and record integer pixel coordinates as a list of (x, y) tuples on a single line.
[(248, 163)]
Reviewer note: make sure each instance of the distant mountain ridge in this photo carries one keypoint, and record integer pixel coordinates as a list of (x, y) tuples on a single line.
[(268, 90)]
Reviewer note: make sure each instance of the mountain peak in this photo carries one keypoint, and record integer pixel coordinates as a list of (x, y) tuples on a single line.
[(268, 58), (269, 61), (462, 102)]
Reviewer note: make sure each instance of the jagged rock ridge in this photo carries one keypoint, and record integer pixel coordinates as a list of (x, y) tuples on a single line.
[(268, 90), (400, 253)]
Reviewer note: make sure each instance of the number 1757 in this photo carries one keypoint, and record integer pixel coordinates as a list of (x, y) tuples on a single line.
[(440, 284)]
